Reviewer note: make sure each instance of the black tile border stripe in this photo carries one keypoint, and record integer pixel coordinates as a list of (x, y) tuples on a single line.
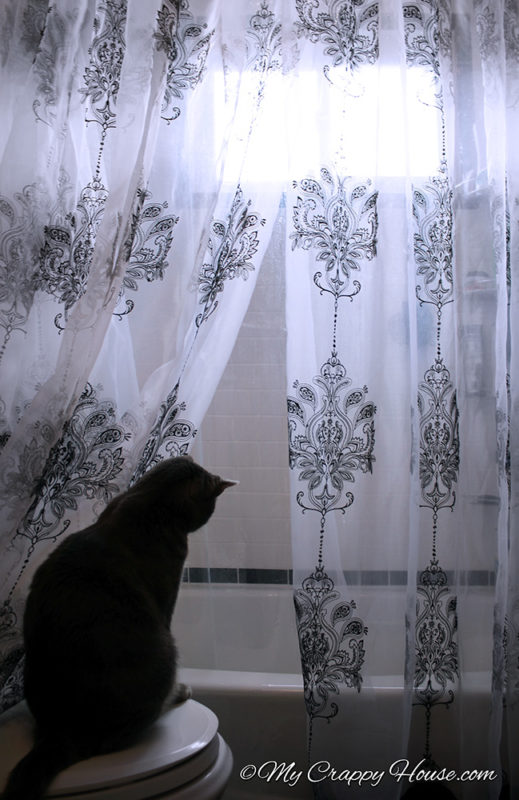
[(284, 577)]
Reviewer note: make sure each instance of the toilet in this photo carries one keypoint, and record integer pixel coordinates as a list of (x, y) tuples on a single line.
[(181, 756)]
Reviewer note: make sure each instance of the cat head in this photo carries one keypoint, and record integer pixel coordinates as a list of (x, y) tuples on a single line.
[(183, 489)]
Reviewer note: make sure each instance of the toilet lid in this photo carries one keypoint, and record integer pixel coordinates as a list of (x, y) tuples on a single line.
[(176, 737)]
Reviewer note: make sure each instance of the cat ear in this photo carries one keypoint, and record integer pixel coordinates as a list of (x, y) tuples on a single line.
[(222, 484)]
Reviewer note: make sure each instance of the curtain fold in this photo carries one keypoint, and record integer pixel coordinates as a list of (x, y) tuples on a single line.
[(144, 154), (128, 257)]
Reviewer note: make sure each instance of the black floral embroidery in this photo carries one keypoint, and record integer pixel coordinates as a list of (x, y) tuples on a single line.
[(230, 250), (148, 246), (427, 34), (18, 219), (432, 211), (439, 441), (437, 663), (45, 32), (170, 436), (151, 238), (331, 643), (436, 668), (186, 45), (348, 28), (11, 674), (106, 57), (83, 464), (335, 440), (167, 25), (264, 41), (340, 224), (69, 240)]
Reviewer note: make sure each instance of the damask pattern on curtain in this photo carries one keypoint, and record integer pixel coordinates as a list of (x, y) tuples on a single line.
[(127, 254), (402, 395), (144, 153)]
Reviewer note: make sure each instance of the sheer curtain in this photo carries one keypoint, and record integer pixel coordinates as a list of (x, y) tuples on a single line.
[(400, 287), (127, 254), (144, 153)]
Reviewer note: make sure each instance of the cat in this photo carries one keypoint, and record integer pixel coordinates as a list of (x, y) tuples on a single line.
[(100, 661)]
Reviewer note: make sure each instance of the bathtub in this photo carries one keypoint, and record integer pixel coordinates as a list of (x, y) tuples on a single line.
[(251, 679), (238, 651)]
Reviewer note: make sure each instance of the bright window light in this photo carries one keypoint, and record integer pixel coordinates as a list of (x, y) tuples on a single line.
[(386, 123)]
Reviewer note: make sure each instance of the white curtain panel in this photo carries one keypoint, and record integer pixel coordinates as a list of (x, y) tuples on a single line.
[(400, 242), (129, 253), (145, 150)]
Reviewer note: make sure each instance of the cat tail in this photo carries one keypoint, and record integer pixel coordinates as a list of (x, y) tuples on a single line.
[(32, 776)]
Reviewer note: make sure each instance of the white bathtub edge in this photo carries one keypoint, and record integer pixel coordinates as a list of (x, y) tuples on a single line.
[(236, 681)]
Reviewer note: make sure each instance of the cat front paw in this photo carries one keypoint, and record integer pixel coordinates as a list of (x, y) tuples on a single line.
[(179, 694), (182, 692)]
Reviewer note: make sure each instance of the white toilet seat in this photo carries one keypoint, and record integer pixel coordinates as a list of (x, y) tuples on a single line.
[(180, 754)]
